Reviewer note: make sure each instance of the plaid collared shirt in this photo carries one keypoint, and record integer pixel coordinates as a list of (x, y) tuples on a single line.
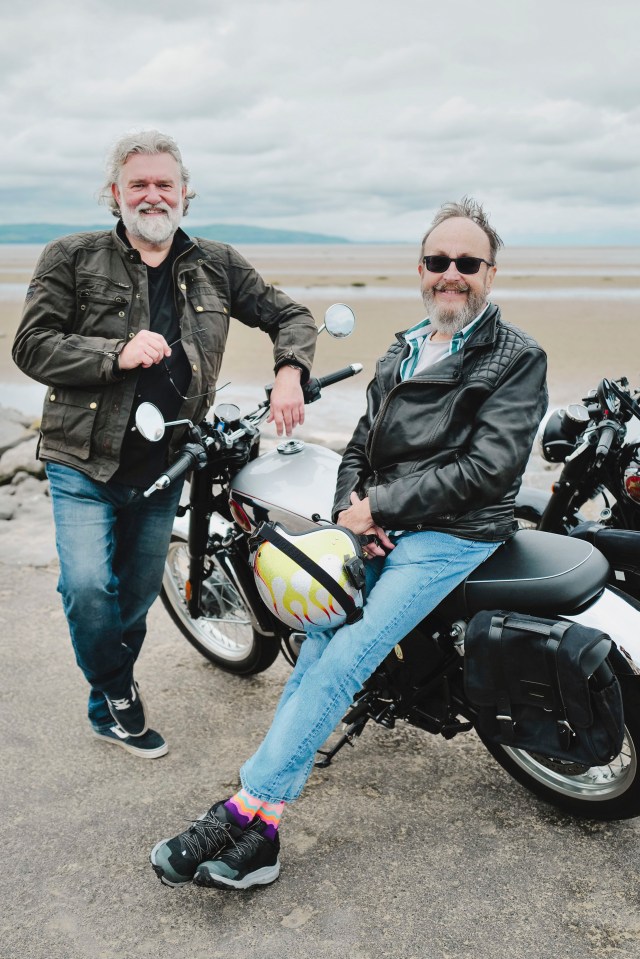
[(417, 335)]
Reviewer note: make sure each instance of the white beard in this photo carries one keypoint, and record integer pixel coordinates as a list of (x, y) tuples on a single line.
[(151, 228), (451, 321)]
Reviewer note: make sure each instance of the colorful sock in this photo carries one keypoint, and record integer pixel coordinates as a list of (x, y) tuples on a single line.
[(271, 813), (243, 807)]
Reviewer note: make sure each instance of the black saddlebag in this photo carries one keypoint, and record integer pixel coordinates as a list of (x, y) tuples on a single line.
[(544, 686)]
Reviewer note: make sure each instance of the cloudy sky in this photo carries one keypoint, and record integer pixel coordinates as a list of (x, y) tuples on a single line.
[(349, 117)]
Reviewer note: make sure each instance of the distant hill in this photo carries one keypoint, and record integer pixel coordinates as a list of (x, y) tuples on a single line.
[(225, 232)]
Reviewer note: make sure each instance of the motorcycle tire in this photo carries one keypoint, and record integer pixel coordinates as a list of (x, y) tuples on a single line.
[(225, 634), (605, 793)]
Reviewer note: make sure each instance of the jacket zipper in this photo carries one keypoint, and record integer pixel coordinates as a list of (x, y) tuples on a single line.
[(386, 402)]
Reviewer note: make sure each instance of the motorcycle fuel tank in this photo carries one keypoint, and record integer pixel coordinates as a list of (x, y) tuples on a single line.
[(289, 485)]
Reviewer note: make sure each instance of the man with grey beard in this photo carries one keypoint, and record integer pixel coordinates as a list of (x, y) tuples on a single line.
[(431, 473), (113, 319)]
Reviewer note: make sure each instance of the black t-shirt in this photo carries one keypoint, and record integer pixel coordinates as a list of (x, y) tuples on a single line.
[(141, 462)]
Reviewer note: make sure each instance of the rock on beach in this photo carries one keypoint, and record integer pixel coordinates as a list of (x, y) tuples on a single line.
[(26, 527)]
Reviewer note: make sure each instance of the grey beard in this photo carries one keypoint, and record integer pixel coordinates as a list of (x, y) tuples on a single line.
[(151, 229), (452, 321)]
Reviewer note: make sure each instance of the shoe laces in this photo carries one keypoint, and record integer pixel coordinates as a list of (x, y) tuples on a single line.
[(205, 835), (120, 703), (248, 843)]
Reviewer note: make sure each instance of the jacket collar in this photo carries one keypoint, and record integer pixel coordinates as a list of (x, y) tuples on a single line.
[(484, 333), (182, 243)]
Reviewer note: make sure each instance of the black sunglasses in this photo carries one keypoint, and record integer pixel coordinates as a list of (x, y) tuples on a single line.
[(196, 396), (464, 264)]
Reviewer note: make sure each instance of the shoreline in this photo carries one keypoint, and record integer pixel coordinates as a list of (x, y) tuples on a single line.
[(580, 304)]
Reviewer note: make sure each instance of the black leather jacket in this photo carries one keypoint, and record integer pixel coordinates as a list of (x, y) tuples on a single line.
[(88, 297), (446, 450)]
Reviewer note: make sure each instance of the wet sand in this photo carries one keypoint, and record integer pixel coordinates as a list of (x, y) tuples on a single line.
[(581, 305)]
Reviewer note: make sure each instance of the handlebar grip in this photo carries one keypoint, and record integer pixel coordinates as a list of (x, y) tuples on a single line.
[(606, 439), (339, 375), (188, 458)]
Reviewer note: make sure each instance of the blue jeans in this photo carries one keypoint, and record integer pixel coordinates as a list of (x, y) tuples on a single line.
[(112, 544), (333, 665)]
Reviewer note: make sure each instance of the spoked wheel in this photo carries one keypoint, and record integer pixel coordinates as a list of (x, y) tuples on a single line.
[(225, 633), (599, 792)]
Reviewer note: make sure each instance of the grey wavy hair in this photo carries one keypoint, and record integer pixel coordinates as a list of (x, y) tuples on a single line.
[(148, 143), (472, 210)]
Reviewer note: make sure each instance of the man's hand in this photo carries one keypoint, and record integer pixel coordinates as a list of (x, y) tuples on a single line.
[(145, 349), (358, 519), (287, 400)]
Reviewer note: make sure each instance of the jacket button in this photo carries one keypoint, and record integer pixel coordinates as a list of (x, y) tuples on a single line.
[(183, 286), (195, 367), (131, 335), (224, 309), (52, 397), (138, 295), (121, 313), (93, 406), (199, 309), (83, 307)]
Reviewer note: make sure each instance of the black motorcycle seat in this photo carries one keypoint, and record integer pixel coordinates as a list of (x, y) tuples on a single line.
[(620, 546), (535, 572)]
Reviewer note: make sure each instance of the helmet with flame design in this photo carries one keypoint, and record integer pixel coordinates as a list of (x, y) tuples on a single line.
[(309, 580)]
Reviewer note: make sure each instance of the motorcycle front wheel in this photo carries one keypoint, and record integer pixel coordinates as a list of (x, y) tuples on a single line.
[(224, 634), (599, 792)]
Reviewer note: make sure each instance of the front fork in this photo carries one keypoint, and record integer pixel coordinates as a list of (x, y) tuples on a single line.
[(200, 510)]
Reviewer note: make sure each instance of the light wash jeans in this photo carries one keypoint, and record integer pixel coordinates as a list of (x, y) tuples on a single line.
[(112, 544), (333, 665)]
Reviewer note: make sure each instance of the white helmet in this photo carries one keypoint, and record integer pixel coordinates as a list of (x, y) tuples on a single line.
[(309, 579)]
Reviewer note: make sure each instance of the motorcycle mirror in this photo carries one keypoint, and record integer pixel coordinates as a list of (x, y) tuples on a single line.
[(339, 320), (607, 397), (151, 424)]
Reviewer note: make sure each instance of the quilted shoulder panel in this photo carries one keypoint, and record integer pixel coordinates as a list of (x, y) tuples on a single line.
[(490, 363)]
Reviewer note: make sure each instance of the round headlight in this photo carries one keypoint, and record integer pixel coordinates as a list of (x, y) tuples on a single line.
[(561, 431)]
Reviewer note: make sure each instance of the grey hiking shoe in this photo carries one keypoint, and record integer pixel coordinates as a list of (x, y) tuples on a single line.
[(251, 861), (175, 860)]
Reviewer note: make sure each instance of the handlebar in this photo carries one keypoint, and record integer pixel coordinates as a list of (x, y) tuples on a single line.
[(339, 375), (607, 436), (194, 454)]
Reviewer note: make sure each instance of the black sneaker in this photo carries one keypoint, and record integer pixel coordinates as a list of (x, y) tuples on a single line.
[(251, 861), (150, 745), (176, 860), (128, 711)]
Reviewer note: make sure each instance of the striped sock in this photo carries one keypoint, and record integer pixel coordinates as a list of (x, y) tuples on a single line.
[(271, 814), (243, 807)]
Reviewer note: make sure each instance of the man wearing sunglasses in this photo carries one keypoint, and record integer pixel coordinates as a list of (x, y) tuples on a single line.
[(112, 319), (432, 471)]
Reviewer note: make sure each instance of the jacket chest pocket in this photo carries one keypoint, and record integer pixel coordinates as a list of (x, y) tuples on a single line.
[(102, 308), (209, 315)]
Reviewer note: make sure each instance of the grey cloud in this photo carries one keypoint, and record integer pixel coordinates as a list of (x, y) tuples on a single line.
[(330, 116)]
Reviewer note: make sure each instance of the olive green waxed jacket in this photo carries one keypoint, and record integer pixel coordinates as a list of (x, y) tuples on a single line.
[(446, 450), (88, 297)]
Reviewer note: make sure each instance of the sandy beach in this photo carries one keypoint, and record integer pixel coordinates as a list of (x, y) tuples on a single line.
[(581, 304)]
